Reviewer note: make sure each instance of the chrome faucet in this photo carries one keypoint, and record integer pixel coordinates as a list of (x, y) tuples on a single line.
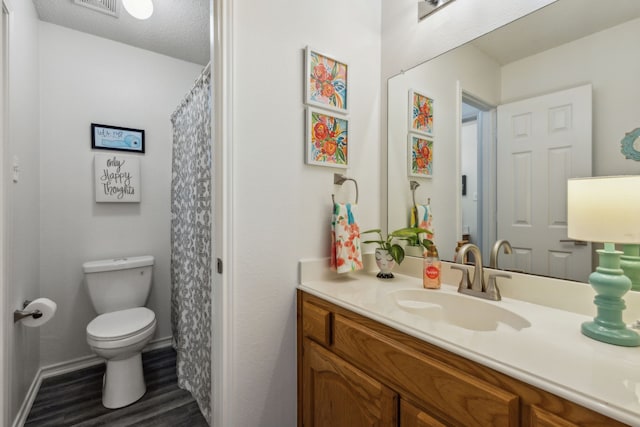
[(476, 286), (493, 259), (478, 280)]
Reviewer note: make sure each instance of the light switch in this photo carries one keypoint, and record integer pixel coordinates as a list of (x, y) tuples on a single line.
[(15, 169)]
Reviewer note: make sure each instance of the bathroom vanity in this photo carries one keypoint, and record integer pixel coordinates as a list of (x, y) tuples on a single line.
[(389, 353)]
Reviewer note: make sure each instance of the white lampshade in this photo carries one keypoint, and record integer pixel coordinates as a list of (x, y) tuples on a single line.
[(140, 9), (604, 209)]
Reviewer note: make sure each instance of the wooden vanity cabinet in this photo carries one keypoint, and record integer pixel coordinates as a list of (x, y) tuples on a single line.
[(338, 394), (412, 416), (354, 371)]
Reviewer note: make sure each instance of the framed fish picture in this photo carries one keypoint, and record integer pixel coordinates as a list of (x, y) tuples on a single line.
[(105, 137), (326, 82), (420, 113)]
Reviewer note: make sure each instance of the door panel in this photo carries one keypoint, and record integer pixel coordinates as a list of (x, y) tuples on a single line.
[(542, 142), (411, 416), (337, 394)]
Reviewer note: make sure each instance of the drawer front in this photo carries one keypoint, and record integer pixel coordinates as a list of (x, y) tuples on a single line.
[(452, 394), (316, 323)]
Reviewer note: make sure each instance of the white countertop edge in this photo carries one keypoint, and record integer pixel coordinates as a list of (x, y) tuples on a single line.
[(597, 405)]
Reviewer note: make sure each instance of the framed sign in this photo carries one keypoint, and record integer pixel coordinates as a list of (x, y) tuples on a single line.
[(117, 178), (104, 137)]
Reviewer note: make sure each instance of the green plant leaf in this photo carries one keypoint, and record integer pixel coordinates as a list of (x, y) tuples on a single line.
[(380, 242), (426, 243), (409, 232), (397, 253), (375, 230)]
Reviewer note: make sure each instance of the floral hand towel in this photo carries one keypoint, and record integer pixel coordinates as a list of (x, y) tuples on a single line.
[(345, 239)]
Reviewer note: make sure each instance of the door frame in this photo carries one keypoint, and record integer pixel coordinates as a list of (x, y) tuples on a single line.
[(487, 158), (6, 17), (222, 346)]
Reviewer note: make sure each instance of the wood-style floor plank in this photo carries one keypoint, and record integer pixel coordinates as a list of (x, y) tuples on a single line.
[(75, 399)]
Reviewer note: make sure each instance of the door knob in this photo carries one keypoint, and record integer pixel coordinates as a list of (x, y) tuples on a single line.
[(575, 242)]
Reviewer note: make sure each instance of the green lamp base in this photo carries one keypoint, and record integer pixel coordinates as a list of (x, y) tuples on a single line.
[(622, 337), (630, 264), (610, 284)]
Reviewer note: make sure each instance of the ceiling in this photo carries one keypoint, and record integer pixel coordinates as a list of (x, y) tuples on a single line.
[(177, 28), (558, 23)]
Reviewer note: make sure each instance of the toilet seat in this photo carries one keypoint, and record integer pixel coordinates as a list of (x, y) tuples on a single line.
[(120, 325)]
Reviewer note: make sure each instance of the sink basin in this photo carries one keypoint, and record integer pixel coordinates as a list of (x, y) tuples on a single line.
[(460, 310)]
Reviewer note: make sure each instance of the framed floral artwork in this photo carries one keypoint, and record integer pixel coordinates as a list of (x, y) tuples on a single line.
[(420, 113), (420, 156), (327, 139), (326, 82)]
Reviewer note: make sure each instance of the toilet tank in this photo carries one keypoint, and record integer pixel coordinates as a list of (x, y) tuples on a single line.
[(118, 284)]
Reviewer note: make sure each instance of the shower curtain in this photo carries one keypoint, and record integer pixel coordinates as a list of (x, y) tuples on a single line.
[(191, 242)]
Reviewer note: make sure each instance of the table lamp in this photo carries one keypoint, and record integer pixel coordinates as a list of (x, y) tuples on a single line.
[(630, 263), (606, 210)]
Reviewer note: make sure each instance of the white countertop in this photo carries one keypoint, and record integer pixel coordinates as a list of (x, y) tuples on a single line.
[(551, 354)]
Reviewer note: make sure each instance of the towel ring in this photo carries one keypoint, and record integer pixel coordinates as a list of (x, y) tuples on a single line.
[(339, 179), (414, 185)]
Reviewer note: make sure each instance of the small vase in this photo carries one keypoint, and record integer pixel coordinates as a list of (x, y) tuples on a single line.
[(385, 263)]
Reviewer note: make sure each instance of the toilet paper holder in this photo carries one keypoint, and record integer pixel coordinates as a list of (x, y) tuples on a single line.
[(21, 314)]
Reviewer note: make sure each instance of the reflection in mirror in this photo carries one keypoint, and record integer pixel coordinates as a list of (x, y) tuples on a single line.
[(427, 7), (517, 112)]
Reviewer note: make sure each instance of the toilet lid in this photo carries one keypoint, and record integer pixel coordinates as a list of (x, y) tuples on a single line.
[(121, 324)]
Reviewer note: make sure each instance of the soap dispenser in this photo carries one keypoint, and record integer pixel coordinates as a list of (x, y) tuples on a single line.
[(431, 268)]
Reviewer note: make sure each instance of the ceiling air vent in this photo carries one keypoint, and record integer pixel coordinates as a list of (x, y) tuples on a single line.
[(109, 7)]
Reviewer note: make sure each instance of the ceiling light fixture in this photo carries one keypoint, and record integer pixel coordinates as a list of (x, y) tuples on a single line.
[(140, 9), (426, 7)]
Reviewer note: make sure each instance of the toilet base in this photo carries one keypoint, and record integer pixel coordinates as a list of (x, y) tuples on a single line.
[(123, 382)]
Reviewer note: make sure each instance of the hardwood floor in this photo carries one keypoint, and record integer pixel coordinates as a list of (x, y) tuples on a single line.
[(75, 399)]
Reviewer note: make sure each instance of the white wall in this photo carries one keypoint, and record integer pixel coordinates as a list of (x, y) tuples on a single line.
[(407, 42), (282, 206), (476, 74), (22, 198), (613, 73), (86, 79)]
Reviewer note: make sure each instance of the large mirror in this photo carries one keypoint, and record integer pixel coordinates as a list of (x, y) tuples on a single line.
[(509, 118)]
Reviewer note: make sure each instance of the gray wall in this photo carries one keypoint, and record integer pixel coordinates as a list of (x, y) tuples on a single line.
[(86, 79), (23, 215)]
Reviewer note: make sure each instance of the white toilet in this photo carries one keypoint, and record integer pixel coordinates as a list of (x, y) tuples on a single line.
[(118, 289)]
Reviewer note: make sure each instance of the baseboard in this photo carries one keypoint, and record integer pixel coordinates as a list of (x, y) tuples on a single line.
[(25, 408), (66, 367), (159, 343)]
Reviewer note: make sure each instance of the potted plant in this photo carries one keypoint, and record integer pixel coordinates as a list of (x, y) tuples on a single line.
[(388, 252)]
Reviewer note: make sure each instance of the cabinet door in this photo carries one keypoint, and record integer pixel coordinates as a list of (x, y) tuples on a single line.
[(542, 418), (410, 416), (335, 394)]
